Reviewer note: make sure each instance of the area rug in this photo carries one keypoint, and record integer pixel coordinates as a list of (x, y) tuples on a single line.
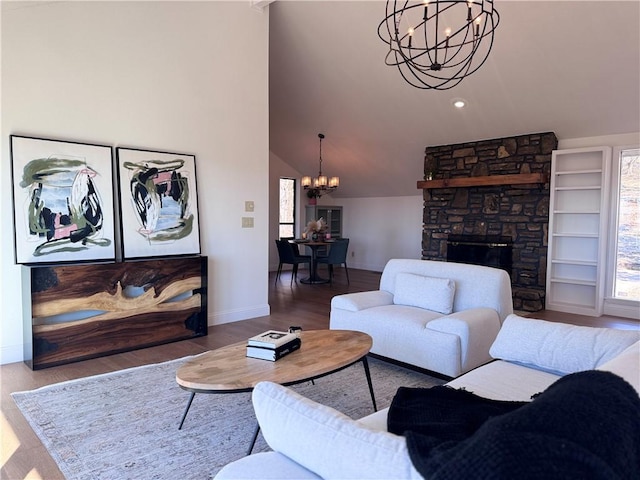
[(125, 424)]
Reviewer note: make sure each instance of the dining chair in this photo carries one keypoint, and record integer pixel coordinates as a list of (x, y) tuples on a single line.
[(294, 246), (289, 254), (337, 256)]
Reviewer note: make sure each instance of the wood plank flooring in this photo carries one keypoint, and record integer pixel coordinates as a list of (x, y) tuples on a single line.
[(22, 454)]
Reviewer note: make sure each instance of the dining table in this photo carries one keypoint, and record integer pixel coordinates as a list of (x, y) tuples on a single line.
[(314, 245)]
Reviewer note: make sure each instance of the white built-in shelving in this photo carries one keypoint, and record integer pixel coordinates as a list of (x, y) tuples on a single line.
[(577, 230)]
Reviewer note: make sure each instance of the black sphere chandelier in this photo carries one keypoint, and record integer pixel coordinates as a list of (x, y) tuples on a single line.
[(437, 43)]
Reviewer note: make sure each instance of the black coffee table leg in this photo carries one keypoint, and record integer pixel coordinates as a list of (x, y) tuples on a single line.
[(186, 410), (253, 440), (365, 362), (184, 415)]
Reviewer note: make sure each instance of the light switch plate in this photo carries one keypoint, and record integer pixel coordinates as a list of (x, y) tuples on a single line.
[(249, 206), (247, 222)]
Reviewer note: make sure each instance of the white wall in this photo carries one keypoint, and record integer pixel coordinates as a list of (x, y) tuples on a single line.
[(186, 77), (380, 229)]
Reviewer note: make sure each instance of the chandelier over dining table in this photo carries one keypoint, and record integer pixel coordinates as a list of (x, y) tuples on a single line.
[(435, 44), (321, 184)]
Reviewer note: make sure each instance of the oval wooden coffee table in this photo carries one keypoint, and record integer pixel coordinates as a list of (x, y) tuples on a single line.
[(229, 370)]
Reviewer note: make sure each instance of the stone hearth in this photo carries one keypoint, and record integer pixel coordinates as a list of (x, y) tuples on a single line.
[(520, 212)]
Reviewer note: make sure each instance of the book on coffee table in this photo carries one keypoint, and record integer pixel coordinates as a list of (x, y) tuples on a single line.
[(274, 354), (271, 339)]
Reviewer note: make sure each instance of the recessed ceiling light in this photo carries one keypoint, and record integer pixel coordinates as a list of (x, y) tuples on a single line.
[(458, 102)]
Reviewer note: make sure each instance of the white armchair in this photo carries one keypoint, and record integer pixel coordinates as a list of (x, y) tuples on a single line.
[(440, 316)]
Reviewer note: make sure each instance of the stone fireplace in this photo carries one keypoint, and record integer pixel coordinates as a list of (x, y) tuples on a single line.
[(492, 189)]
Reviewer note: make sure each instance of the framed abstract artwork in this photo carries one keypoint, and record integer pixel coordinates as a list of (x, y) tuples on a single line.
[(158, 203), (62, 201)]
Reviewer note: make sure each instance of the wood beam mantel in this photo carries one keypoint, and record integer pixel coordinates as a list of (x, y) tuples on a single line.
[(485, 181)]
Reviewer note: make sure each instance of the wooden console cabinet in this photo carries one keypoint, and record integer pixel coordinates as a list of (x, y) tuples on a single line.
[(94, 309)]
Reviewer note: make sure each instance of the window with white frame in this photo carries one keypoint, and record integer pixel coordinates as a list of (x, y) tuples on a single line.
[(624, 270), (287, 216)]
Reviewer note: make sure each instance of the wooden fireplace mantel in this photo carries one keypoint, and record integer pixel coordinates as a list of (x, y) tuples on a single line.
[(485, 181)]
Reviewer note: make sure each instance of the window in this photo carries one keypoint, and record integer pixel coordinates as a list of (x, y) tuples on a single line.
[(287, 225), (626, 188)]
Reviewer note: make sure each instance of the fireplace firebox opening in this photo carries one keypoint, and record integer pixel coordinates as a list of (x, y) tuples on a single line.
[(490, 251)]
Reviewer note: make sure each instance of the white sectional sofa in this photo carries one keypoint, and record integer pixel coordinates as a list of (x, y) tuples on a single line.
[(312, 441), (440, 316)]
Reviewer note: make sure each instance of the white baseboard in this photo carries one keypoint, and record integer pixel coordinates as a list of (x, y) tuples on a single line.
[(622, 309), (218, 318), (11, 354), (365, 266)]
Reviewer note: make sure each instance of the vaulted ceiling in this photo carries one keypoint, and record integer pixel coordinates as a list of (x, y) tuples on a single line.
[(569, 67)]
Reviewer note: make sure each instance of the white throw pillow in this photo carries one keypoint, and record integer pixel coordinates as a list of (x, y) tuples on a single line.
[(430, 293), (325, 441), (559, 347)]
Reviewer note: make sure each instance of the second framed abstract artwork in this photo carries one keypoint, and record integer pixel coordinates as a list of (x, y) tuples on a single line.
[(158, 203)]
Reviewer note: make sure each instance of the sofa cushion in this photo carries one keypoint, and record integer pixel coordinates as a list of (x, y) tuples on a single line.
[(265, 466), (501, 380), (430, 293), (626, 365), (320, 438), (559, 347)]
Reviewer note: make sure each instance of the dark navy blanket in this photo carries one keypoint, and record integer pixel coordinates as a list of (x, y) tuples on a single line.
[(584, 426)]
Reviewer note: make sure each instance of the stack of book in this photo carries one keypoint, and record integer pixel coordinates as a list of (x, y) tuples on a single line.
[(272, 345)]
